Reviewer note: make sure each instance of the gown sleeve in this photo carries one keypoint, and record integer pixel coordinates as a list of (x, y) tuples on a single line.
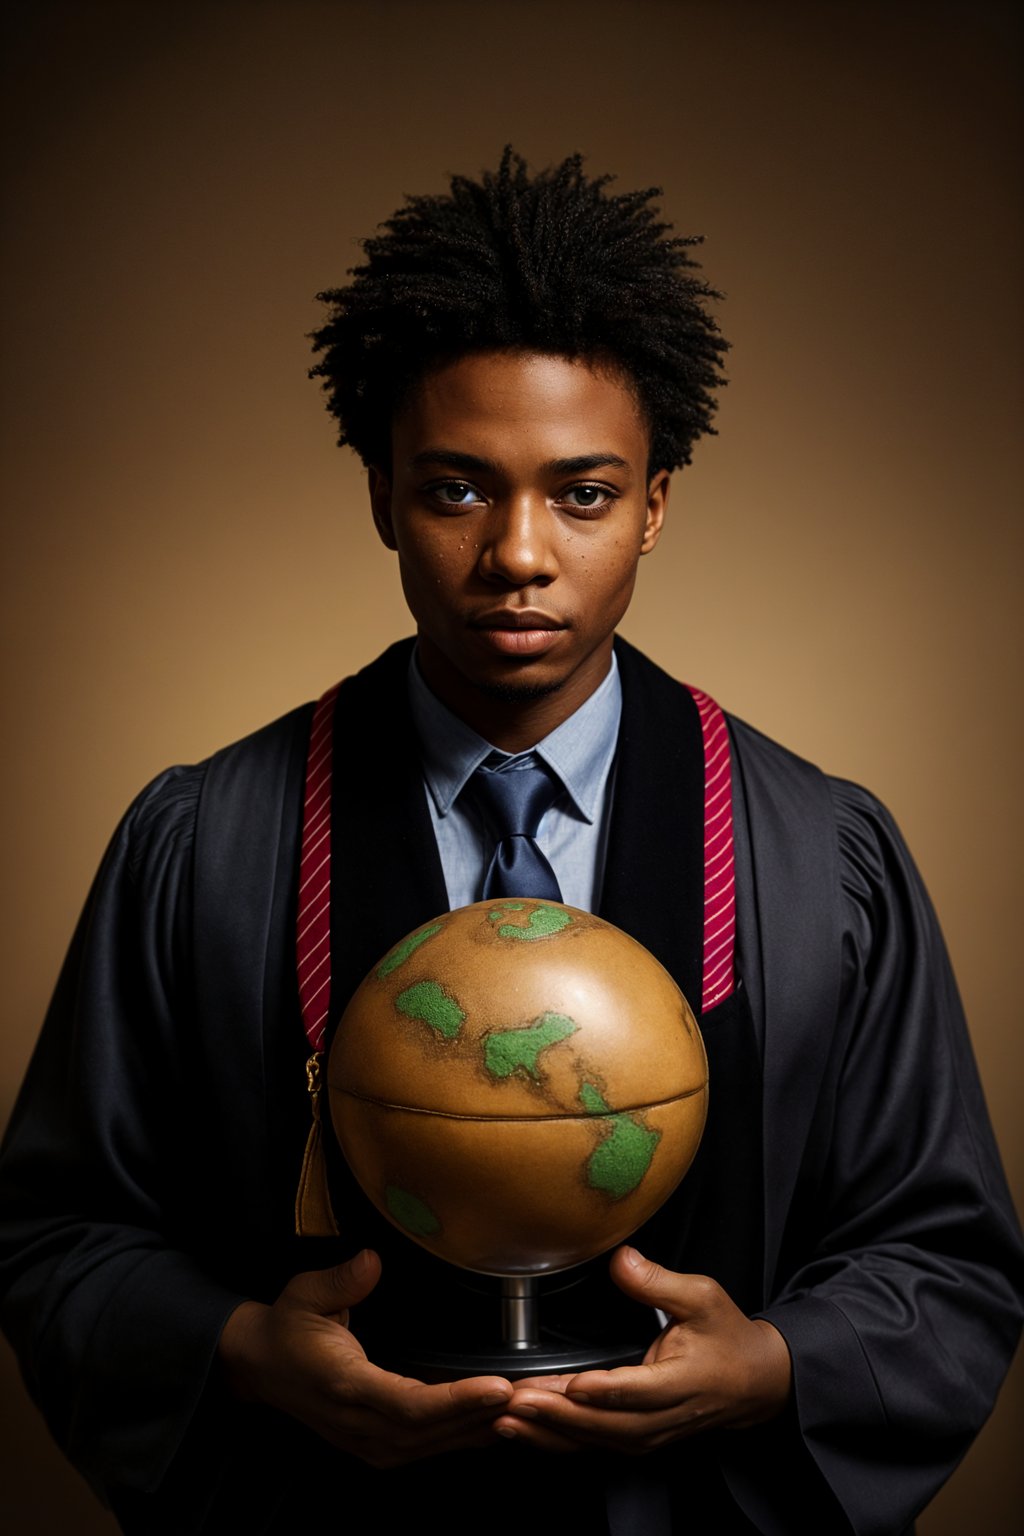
[(115, 1326), (901, 1298)]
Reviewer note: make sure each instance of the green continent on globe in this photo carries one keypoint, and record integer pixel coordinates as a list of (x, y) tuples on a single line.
[(429, 1003), (401, 952), (618, 1165), (541, 922), (411, 1212), (497, 913), (516, 1050)]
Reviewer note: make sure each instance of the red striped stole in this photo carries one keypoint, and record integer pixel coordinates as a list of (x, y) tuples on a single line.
[(313, 929), (719, 974)]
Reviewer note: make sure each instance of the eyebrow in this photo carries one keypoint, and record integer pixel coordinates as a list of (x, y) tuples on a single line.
[(471, 463)]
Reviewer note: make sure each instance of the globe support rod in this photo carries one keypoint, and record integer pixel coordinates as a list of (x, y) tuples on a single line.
[(519, 1325)]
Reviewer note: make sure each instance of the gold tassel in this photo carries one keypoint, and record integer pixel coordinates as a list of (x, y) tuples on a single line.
[(313, 1214)]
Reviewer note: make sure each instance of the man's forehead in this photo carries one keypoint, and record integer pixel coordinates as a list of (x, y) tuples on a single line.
[(575, 411)]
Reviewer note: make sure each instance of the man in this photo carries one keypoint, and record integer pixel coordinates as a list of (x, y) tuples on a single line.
[(521, 365)]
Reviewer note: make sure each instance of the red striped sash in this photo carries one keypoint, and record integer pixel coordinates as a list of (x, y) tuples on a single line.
[(719, 976), (313, 929)]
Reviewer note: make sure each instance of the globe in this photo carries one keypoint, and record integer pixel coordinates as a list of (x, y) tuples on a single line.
[(517, 1086)]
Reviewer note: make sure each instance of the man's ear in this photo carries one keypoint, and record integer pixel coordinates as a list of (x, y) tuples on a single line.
[(657, 501), (380, 505)]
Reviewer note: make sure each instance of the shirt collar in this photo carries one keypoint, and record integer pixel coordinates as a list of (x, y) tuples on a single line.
[(579, 751)]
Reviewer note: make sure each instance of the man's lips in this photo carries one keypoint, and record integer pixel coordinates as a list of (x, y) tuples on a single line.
[(516, 618), (518, 631)]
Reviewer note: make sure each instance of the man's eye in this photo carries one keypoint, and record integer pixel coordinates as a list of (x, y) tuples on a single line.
[(587, 497), (455, 493)]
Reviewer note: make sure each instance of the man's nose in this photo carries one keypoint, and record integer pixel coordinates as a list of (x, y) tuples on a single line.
[(519, 546)]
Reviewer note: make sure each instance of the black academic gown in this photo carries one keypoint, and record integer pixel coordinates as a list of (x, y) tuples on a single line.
[(149, 1172)]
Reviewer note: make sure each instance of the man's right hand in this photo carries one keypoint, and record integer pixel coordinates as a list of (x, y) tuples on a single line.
[(300, 1356)]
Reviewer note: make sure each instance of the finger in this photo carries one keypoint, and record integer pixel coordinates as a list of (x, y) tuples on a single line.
[(479, 1392), (465, 1427), (418, 1404), (686, 1298), (544, 1383), (633, 1388), (556, 1422), (386, 1419), (540, 1437), (330, 1292), (385, 1446)]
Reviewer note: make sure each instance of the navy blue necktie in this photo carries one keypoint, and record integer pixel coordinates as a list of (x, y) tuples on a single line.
[(513, 804)]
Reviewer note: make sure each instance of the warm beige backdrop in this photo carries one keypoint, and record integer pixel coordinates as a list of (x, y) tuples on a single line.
[(188, 555)]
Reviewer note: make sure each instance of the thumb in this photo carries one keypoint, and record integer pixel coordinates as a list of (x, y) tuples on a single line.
[(331, 1292), (686, 1298)]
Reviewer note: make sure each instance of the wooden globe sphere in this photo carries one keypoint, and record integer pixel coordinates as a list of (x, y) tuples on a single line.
[(518, 1086)]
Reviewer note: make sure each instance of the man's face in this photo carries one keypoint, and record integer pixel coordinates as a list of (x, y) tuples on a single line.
[(519, 505)]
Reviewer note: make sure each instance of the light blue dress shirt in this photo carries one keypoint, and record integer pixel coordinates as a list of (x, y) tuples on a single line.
[(573, 834)]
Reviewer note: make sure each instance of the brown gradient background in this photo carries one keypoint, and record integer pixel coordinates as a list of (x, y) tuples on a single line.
[(188, 555)]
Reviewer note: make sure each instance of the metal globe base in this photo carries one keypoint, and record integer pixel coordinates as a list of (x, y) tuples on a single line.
[(526, 1349)]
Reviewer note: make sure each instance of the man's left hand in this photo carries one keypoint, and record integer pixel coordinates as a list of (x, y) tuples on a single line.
[(712, 1367)]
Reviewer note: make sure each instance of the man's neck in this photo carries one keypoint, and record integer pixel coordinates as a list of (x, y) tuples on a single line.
[(514, 718)]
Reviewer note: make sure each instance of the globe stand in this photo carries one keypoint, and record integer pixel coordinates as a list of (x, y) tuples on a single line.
[(525, 1349)]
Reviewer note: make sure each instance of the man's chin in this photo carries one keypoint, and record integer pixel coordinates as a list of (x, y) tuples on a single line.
[(520, 692)]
